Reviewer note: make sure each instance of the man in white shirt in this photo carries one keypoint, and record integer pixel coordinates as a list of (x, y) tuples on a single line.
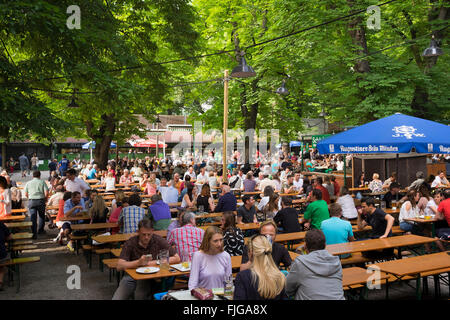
[(440, 181), (267, 182), (259, 179), (190, 173), (73, 183), (298, 181), (202, 176)]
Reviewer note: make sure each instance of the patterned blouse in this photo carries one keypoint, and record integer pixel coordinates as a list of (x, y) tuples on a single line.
[(233, 242), (376, 186)]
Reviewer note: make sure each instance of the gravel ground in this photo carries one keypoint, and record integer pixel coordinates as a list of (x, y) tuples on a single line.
[(47, 279)]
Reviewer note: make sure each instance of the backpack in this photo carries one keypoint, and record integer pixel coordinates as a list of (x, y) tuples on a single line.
[(232, 184)]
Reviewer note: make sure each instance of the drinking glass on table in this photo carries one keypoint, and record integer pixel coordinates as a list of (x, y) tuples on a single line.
[(201, 209), (228, 286), (163, 258)]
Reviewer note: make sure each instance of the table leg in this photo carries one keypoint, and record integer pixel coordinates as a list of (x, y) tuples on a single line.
[(387, 289), (437, 287)]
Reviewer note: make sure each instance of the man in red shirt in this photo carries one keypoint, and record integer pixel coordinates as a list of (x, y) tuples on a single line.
[(337, 188), (444, 208), (317, 184)]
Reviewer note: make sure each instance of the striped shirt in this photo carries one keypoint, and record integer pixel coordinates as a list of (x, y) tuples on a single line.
[(131, 216), (187, 239)]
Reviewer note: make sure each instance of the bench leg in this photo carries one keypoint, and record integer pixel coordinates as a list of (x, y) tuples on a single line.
[(425, 285), (437, 287), (418, 288)]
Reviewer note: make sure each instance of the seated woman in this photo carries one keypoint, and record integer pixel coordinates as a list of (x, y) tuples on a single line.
[(150, 186), (190, 198), (233, 237), (376, 185), (410, 209), (347, 203), (211, 264), (263, 281), (98, 212), (205, 199), (159, 213), (122, 202), (110, 182), (64, 226), (271, 209)]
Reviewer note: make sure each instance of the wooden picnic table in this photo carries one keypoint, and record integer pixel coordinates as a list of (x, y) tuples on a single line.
[(377, 244), (358, 276), (430, 264), (22, 235), (12, 218), (84, 216), (93, 226), (122, 237), (24, 224), (24, 210), (358, 189), (92, 181), (242, 226)]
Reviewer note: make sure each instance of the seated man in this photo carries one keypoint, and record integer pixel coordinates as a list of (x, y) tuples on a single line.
[(287, 218), (316, 275), (380, 222), (288, 186), (134, 255), (316, 212), (440, 181), (227, 200), (280, 254), (130, 216), (187, 238), (168, 193), (394, 189), (317, 184), (159, 213), (73, 206), (337, 230), (247, 212)]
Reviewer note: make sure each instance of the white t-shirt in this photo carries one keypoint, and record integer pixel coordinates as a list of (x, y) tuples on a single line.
[(340, 165), (298, 184), (76, 185), (110, 183), (264, 201), (437, 181), (428, 210), (202, 178), (348, 206)]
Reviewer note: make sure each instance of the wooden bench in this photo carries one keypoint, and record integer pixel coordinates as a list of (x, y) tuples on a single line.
[(355, 258), (77, 240), (14, 266), (112, 266), (90, 249), (21, 242)]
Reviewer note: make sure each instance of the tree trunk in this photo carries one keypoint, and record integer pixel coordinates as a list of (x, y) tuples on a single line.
[(358, 35), (102, 137)]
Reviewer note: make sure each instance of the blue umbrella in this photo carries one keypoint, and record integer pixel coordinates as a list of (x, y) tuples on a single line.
[(398, 133), (91, 144), (295, 144)]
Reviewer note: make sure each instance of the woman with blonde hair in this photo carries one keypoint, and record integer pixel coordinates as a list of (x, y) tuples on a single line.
[(263, 281), (98, 212), (211, 265), (150, 186), (376, 185)]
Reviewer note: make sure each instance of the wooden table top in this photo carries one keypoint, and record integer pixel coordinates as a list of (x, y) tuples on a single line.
[(19, 210), (354, 276), (84, 216), (12, 218), (284, 237), (359, 189), (24, 224), (52, 208), (93, 226), (377, 244), (420, 220), (415, 265), (242, 226), (122, 237)]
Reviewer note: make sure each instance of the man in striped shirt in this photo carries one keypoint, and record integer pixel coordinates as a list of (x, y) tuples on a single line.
[(130, 216), (187, 238)]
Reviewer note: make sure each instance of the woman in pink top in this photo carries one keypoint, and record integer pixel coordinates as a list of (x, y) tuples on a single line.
[(151, 187), (114, 217)]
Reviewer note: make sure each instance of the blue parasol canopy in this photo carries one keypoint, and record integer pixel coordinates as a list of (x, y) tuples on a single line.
[(398, 133), (295, 144), (91, 144)]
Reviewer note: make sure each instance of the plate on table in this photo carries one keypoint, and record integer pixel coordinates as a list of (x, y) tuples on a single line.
[(422, 217), (147, 270), (180, 267)]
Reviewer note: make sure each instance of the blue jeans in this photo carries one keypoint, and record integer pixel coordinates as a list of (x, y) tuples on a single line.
[(37, 207), (411, 227)]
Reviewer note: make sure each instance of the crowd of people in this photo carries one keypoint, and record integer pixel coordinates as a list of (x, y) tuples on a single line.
[(267, 271)]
